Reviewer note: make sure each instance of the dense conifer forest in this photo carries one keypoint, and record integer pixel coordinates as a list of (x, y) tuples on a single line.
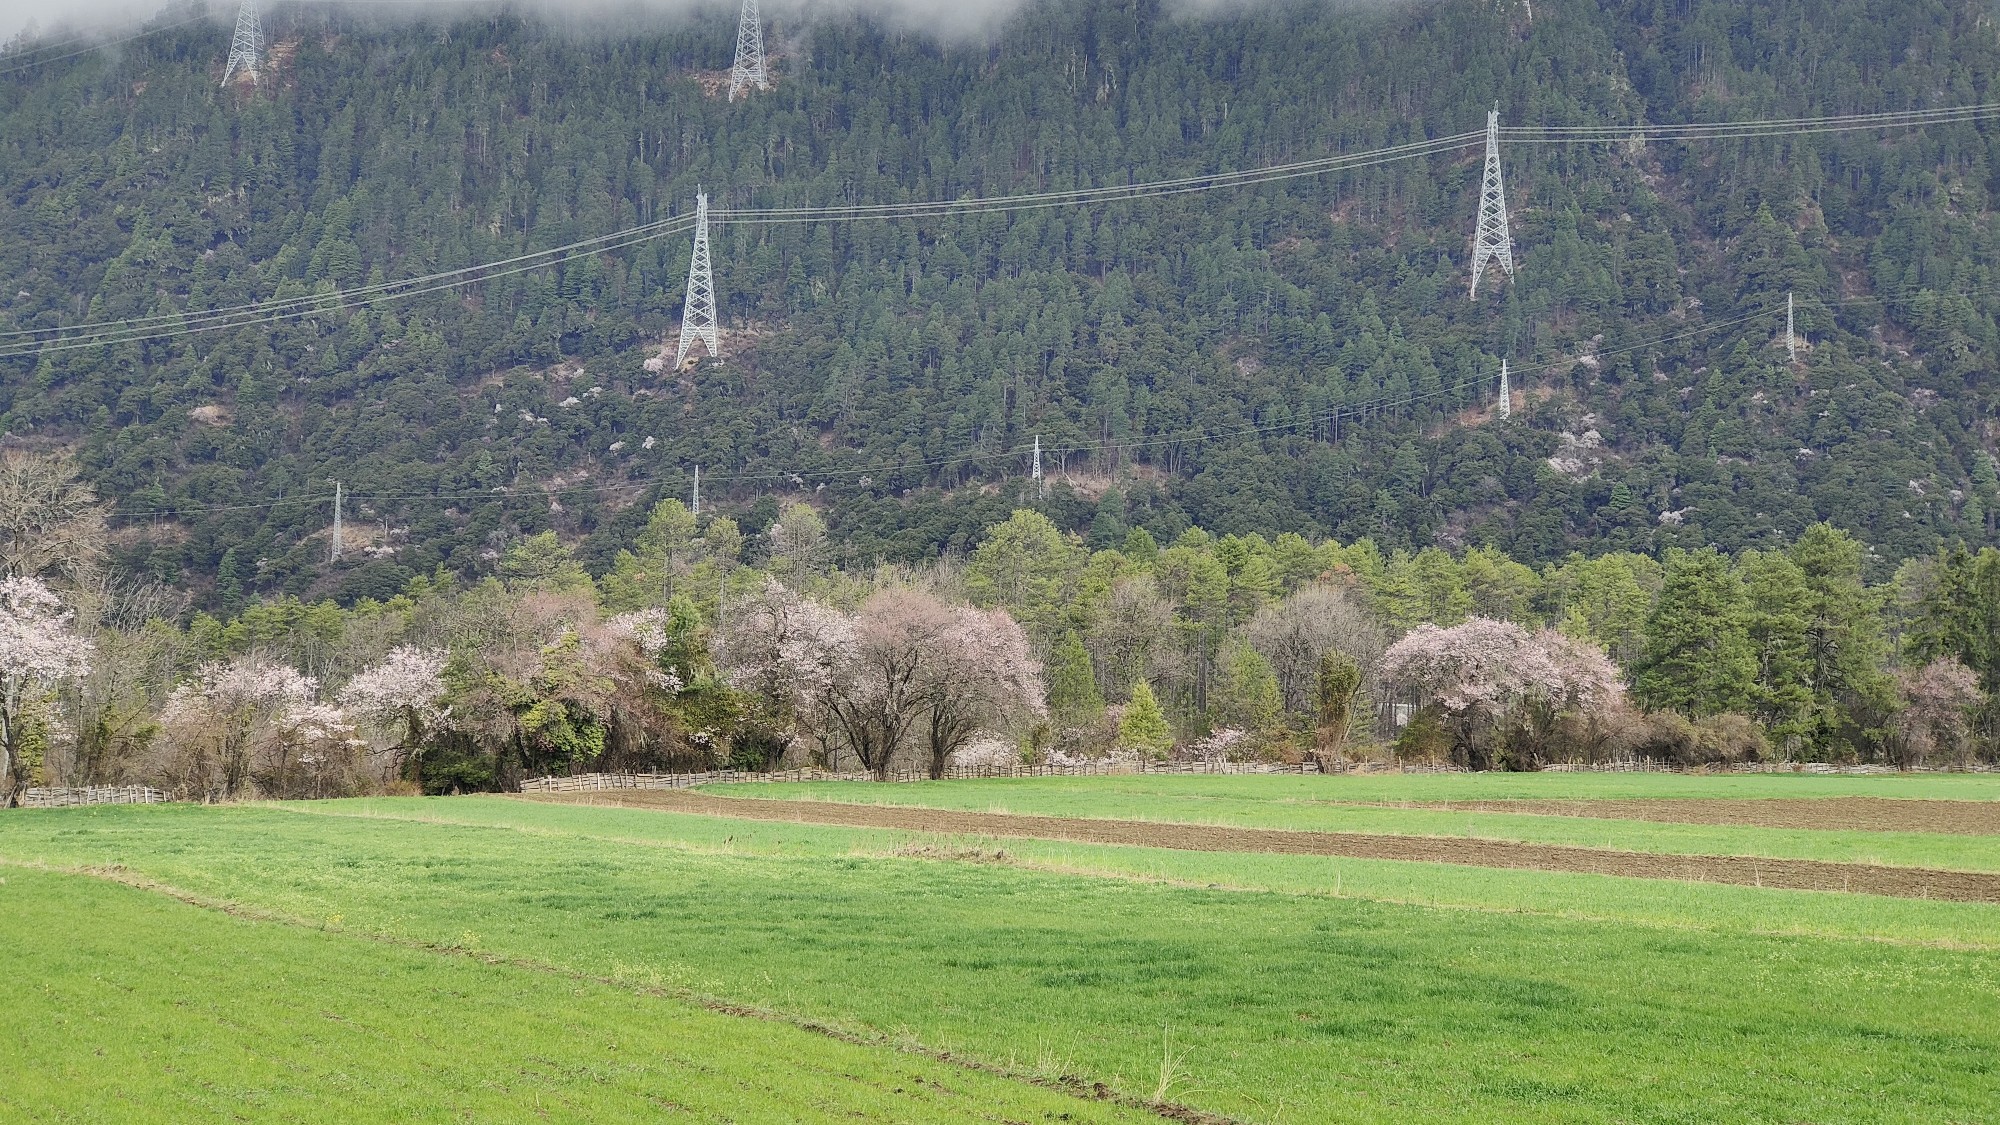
[(1182, 359)]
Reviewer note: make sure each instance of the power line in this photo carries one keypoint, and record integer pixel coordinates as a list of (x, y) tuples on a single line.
[(170, 325), (99, 45)]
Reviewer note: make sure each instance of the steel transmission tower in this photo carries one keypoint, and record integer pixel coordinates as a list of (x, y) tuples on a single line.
[(246, 50), (698, 315), (1492, 242), (1041, 484), (1791, 331), (1506, 409), (748, 73), (696, 510)]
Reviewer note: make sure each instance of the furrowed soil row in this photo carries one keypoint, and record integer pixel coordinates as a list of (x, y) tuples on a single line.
[(1788, 874), (1859, 814)]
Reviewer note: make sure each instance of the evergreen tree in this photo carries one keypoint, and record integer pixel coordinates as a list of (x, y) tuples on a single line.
[(1143, 727), (1776, 618), (1698, 659), (1073, 698)]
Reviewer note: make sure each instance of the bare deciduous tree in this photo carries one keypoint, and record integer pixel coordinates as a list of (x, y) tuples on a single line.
[(1132, 641), (51, 523), (1296, 634)]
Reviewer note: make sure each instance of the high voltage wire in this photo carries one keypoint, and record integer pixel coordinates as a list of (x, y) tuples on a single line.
[(95, 45), (169, 325), (173, 325)]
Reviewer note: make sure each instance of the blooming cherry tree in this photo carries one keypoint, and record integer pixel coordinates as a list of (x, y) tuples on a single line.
[(39, 649), (219, 721), (403, 694), (1486, 673)]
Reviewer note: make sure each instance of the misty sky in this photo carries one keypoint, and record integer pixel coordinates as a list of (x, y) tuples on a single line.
[(117, 17)]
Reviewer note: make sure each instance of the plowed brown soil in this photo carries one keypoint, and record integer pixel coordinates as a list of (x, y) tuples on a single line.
[(1795, 874), (1861, 814)]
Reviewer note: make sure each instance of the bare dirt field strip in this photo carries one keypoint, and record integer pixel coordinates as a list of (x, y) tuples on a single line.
[(1793, 874), (1861, 814)]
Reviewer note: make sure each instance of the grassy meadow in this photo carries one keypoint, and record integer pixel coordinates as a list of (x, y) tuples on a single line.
[(139, 1008), (1265, 988)]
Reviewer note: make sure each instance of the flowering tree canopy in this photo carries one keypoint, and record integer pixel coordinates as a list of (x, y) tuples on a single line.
[(1483, 668), (405, 690), (38, 649)]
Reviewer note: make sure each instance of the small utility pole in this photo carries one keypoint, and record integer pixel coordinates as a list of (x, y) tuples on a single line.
[(338, 496)]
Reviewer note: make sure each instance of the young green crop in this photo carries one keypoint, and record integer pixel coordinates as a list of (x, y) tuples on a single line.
[(140, 1009), (1275, 1007), (1701, 906)]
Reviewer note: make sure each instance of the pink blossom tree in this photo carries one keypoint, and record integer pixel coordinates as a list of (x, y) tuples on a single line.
[(1493, 678), (978, 674), (39, 650), (402, 696), (782, 651), (1939, 701)]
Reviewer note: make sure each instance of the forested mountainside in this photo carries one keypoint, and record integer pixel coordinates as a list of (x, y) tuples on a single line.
[(1181, 359)]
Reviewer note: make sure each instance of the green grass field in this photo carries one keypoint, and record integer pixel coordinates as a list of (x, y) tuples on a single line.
[(1278, 989), (132, 1007)]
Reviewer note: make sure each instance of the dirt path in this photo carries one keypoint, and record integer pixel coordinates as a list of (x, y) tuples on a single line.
[(1796, 874), (1859, 814)]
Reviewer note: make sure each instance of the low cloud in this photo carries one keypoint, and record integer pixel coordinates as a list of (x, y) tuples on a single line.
[(114, 18)]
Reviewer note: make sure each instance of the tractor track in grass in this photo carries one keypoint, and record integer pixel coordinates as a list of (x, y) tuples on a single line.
[(1748, 871), (1853, 814)]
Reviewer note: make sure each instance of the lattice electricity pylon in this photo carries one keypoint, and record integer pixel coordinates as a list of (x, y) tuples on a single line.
[(1506, 408), (748, 73), (246, 49), (1041, 484), (698, 315), (1791, 331), (1492, 241)]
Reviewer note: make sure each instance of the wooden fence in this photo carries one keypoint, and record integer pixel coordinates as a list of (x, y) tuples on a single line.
[(90, 795), (592, 782), (595, 782)]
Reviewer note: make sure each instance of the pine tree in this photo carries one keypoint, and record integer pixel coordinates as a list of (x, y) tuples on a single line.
[(1074, 700), (1143, 727), (1775, 618), (1698, 659)]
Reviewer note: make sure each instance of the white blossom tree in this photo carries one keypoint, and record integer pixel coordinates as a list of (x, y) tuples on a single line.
[(218, 723), (1939, 702), (781, 651), (402, 697), (39, 649)]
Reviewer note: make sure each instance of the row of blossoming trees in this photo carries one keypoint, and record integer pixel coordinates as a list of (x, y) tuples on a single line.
[(701, 646)]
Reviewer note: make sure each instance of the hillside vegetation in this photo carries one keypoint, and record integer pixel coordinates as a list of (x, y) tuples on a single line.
[(1186, 355)]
